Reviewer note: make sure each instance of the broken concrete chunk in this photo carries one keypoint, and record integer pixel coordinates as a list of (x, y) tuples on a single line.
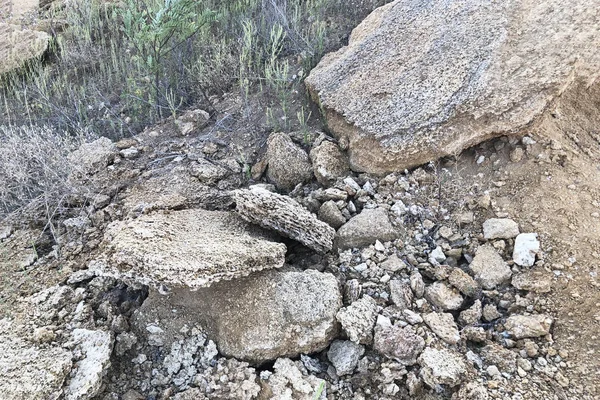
[(443, 296), (400, 344), (344, 356), (535, 281), (329, 163), (192, 248), (285, 216), (443, 325), (366, 228)]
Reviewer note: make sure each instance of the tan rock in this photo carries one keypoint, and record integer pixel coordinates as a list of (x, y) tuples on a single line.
[(19, 45)]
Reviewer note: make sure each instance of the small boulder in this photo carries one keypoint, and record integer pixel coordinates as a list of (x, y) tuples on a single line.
[(288, 164), (366, 228), (527, 246), (443, 325), (500, 228), (329, 163), (400, 344), (443, 297), (489, 268), (442, 367), (330, 213), (528, 326), (358, 320), (344, 356)]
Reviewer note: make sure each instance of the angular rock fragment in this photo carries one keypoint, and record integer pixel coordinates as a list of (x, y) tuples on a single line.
[(285, 216), (330, 213), (92, 157), (192, 248), (329, 163), (527, 246), (288, 164), (358, 320), (443, 325), (528, 326), (464, 283), (442, 367), (535, 281), (365, 228), (290, 381), (344, 356), (400, 344), (489, 268), (500, 228), (444, 297)]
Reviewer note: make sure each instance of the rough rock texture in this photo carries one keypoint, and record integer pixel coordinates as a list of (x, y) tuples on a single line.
[(489, 268), (95, 347), (227, 379), (537, 281), (288, 164), (358, 319), (528, 326), (441, 367), (285, 216), (419, 80), (92, 157), (329, 163), (19, 45), (192, 248), (443, 296), (500, 228), (400, 344), (330, 213), (344, 356), (527, 246), (443, 325), (258, 318), (31, 372), (365, 228), (291, 381)]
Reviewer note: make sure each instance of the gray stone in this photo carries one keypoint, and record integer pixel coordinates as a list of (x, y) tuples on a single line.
[(536, 281), (528, 326), (473, 391), (489, 268), (400, 344), (504, 359), (285, 216), (443, 325), (365, 228), (288, 163), (527, 246), (329, 163), (500, 228), (291, 381), (393, 264), (344, 356), (358, 320), (444, 297), (419, 80), (417, 285), (490, 312), (207, 172), (464, 282), (472, 315), (442, 367), (330, 213), (401, 294), (92, 157), (192, 248)]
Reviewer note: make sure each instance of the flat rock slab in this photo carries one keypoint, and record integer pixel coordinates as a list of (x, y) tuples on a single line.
[(285, 216), (424, 79), (192, 248)]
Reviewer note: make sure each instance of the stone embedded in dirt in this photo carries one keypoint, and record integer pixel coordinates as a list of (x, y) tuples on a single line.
[(490, 312), (401, 294), (535, 281), (504, 359), (528, 326), (207, 172), (31, 372), (93, 157), (473, 391), (417, 285), (358, 319), (527, 246), (288, 163), (93, 349), (366, 228), (400, 344), (329, 163), (442, 367), (443, 325), (464, 282), (417, 83), (500, 228), (285, 216), (330, 213), (291, 381), (344, 356), (192, 248), (443, 296), (489, 268), (472, 315)]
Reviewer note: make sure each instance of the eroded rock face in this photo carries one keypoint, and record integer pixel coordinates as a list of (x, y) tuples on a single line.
[(419, 80), (285, 216), (192, 248)]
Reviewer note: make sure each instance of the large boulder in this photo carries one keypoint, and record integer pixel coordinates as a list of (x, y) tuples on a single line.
[(423, 79), (190, 248)]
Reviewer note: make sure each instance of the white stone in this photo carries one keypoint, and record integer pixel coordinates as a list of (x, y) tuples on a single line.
[(527, 246)]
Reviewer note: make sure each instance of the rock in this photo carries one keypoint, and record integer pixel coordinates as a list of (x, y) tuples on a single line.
[(444, 297), (192, 120), (365, 228), (393, 264), (291, 381), (329, 163), (412, 317), (417, 285), (124, 342), (227, 379), (443, 325), (528, 326), (5, 231), (285, 216), (43, 335), (489, 268), (464, 283), (288, 163), (192, 248), (207, 172), (344, 356), (417, 82), (93, 157), (95, 348), (358, 320), (31, 372), (438, 255), (472, 315), (500, 228), (490, 312), (535, 281), (401, 294), (19, 45), (330, 213), (441, 367), (526, 247), (258, 318), (504, 359), (473, 391), (400, 344)]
